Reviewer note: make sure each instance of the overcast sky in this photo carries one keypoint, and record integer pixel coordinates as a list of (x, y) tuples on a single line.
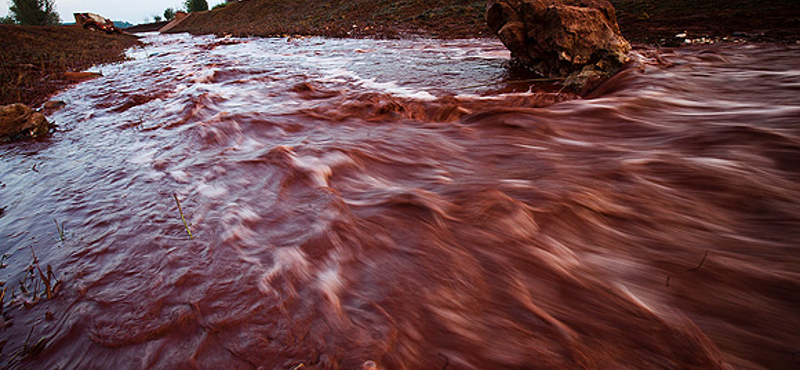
[(134, 11)]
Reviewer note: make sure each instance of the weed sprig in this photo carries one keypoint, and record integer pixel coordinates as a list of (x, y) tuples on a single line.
[(36, 285)]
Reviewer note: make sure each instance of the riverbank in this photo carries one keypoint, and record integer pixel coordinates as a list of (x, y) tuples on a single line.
[(641, 21), (36, 60), (335, 18), (659, 21)]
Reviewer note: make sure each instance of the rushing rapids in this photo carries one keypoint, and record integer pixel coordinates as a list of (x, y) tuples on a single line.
[(405, 202)]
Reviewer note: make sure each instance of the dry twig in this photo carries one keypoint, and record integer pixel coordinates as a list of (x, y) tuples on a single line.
[(182, 218)]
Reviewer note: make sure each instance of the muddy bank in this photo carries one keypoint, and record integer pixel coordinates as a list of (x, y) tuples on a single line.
[(360, 18), (658, 21), (641, 21), (34, 59)]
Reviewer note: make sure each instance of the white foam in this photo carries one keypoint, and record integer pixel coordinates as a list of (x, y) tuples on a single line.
[(211, 191), (145, 156), (527, 146), (286, 259), (330, 283), (203, 76), (136, 53), (495, 54), (180, 176), (517, 183), (715, 162), (391, 87), (235, 219), (320, 169), (573, 142)]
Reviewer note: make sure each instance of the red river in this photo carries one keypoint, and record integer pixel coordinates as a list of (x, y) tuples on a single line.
[(407, 204)]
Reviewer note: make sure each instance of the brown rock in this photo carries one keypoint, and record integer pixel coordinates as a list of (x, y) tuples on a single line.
[(559, 38), (18, 121), (81, 76), (53, 104)]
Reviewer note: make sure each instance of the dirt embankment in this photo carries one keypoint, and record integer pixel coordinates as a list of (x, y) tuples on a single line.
[(34, 59), (658, 21), (343, 18), (641, 21)]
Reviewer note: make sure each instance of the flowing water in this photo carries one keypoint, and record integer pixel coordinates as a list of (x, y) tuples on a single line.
[(406, 203)]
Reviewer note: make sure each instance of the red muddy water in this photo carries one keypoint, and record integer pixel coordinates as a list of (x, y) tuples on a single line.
[(406, 202)]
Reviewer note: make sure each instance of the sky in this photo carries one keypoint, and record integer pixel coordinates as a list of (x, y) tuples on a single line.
[(133, 11)]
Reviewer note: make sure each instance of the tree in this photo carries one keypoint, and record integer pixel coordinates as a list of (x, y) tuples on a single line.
[(34, 12), (157, 18), (169, 14), (7, 20), (196, 5)]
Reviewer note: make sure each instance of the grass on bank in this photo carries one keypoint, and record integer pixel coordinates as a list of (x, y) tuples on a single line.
[(34, 58)]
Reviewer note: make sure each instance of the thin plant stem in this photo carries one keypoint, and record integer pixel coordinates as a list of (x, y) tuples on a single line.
[(60, 230), (182, 218)]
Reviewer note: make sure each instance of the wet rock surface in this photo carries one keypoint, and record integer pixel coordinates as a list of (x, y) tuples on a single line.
[(18, 121), (560, 38)]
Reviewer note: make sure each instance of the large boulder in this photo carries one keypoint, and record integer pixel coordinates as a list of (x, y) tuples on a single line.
[(559, 38), (18, 121)]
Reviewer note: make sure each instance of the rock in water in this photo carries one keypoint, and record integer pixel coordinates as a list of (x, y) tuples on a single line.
[(18, 121), (559, 38)]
